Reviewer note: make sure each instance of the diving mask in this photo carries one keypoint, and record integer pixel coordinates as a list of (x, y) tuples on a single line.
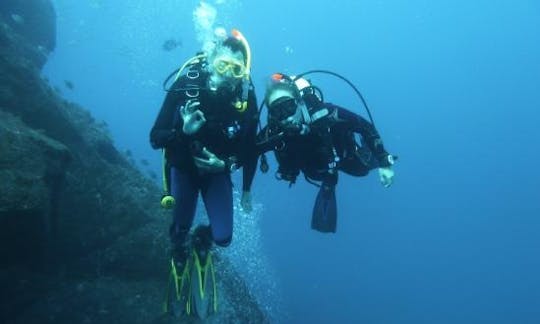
[(290, 114), (223, 64), (283, 108)]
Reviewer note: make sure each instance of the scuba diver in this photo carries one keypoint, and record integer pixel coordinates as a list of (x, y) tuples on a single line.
[(318, 138), (207, 128)]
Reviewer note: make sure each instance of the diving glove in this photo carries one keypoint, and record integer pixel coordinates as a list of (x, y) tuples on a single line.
[(386, 175), (192, 116), (208, 162)]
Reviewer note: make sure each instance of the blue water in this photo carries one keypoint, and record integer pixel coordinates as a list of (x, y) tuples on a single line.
[(454, 89)]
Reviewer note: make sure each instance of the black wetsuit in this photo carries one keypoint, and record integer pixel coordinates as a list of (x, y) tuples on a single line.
[(320, 148), (228, 133), (327, 147)]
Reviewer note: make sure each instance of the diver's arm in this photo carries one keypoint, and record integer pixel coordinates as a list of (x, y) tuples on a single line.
[(164, 130), (250, 151), (267, 142), (369, 134), (248, 173)]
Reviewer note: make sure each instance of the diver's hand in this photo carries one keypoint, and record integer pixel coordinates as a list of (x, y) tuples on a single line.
[(386, 175), (193, 118), (245, 202), (208, 162), (294, 128)]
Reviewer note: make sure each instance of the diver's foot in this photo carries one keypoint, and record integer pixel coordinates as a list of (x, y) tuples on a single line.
[(202, 240), (179, 256)]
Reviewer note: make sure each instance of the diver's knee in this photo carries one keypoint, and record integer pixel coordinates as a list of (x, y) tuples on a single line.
[(223, 242)]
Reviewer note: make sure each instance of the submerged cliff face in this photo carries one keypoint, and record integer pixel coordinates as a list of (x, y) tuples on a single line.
[(82, 237), (35, 22)]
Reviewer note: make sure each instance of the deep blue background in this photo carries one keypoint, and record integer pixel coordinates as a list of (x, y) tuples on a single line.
[(454, 88)]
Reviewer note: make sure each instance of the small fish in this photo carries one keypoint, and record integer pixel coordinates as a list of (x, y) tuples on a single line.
[(171, 44), (69, 84), (144, 162)]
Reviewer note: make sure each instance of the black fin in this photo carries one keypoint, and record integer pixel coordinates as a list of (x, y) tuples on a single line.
[(324, 218)]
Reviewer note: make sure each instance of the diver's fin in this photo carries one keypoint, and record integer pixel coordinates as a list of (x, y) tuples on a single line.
[(324, 218), (177, 298), (203, 286)]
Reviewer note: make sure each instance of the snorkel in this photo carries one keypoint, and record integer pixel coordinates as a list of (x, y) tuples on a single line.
[(241, 106)]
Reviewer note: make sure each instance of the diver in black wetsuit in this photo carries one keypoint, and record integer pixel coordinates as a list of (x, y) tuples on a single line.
[(207, 126), (317, 138)]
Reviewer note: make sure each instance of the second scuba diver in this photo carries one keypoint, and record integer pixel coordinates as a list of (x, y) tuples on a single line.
[(317, 138), (207, 127)]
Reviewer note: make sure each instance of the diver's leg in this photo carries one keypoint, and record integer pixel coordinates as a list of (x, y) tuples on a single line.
[(184, 189), (217, 197), (216, 190)]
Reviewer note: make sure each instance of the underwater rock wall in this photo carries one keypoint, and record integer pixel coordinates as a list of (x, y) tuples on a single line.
[(82, 236), (89, 176), (35, 21)]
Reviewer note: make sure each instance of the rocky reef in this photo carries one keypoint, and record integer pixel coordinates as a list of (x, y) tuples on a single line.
[(82, 236)]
